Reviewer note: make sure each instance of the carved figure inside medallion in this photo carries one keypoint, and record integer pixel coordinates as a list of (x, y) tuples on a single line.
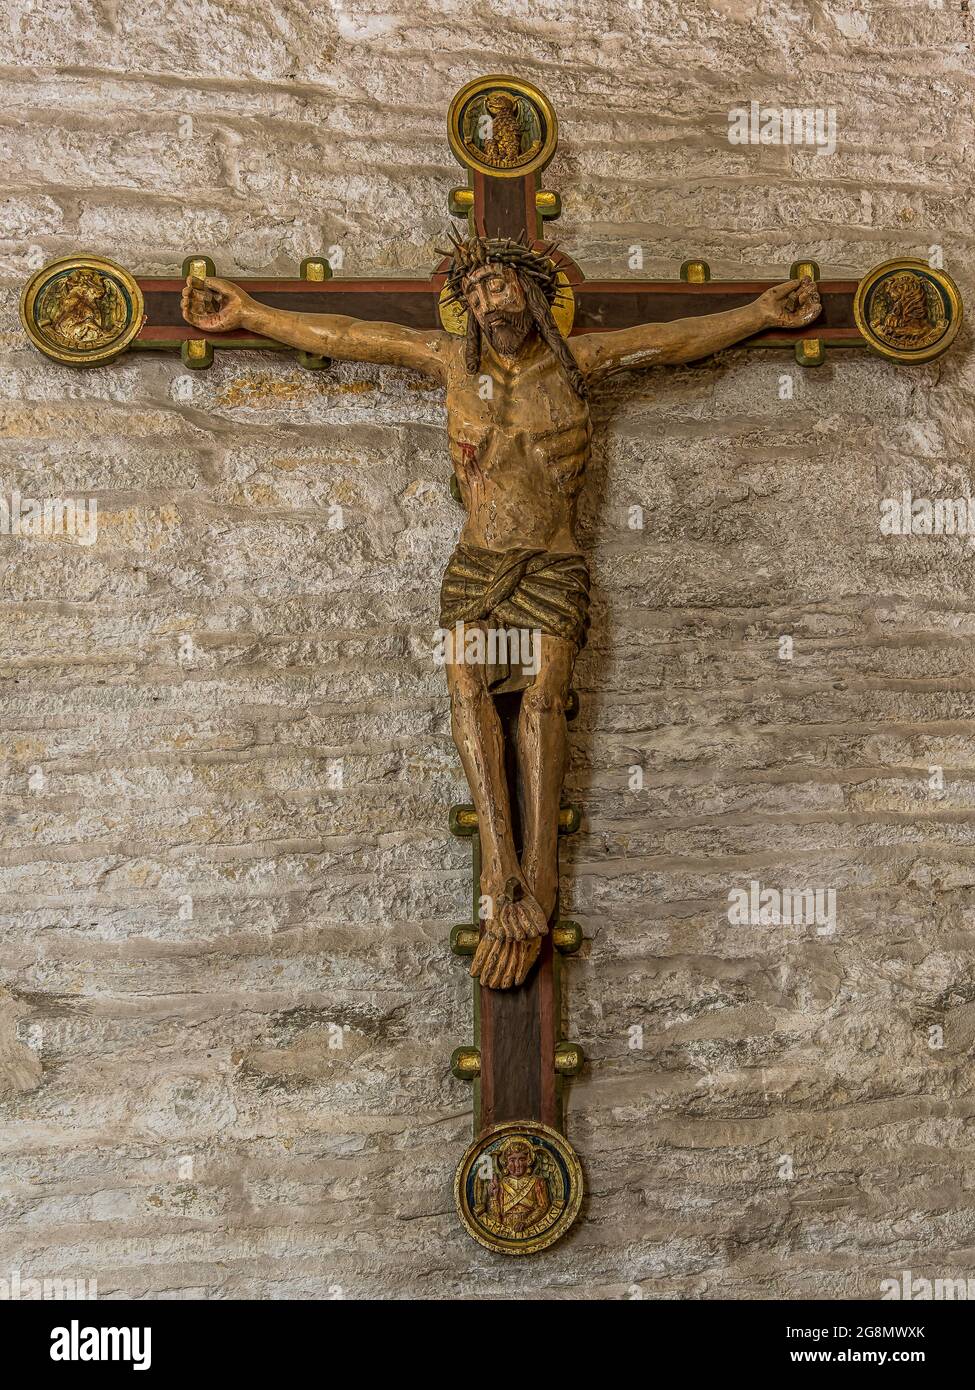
[(502, 130), (906, 311), (518, 1197), (82, 310)]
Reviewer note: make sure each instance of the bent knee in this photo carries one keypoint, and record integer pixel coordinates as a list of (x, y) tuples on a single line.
[(545, 698)]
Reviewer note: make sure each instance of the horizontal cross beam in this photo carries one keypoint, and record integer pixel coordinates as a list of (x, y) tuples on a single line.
[(600, 306)]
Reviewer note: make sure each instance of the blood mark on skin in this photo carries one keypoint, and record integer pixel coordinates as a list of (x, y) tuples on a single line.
[(470, 465), (472, 474)]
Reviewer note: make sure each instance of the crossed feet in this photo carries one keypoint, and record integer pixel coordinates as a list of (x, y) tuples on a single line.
[(521, 905)]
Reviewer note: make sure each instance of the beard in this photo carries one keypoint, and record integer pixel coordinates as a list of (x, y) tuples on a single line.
[(507, 332)]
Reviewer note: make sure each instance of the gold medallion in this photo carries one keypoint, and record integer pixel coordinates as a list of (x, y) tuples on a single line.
[(82, 309), (518, 1188), (907, 311), (502, 127)]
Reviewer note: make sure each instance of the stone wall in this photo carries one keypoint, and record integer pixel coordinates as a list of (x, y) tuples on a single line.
[(190, 902)]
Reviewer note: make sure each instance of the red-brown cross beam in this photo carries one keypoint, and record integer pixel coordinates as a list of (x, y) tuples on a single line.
[(519, 1056), (505, 207)]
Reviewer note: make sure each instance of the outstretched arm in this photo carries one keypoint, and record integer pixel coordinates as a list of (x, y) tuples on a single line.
[(219, 305), (791, 305)]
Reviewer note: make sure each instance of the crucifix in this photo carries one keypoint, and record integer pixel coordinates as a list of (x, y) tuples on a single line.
[(519, 340)]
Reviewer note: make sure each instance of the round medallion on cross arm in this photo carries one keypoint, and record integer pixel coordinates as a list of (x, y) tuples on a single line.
[(82, 309), (907, 310)]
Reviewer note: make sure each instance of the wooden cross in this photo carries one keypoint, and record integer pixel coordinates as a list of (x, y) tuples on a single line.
[(518, 1057)]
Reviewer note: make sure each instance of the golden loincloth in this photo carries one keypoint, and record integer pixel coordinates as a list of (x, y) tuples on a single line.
[(527, 589)]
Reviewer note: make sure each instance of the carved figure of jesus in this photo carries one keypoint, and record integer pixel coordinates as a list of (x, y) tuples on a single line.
[(519, 428)]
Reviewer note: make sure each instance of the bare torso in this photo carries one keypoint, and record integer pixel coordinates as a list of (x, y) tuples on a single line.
[(519, 443)]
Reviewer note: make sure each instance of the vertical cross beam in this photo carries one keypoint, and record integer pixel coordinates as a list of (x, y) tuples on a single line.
[(516, 1030), (519, 1059)]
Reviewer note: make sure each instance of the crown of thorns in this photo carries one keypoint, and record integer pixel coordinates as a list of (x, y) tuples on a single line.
[(540, 266)]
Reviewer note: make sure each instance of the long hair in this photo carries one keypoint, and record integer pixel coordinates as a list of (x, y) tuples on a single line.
[(540, 313), (548, 331)]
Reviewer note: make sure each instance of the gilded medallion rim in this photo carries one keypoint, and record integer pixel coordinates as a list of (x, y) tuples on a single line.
[(905, 355), (81, 261), (573, 1201), (526, 89)]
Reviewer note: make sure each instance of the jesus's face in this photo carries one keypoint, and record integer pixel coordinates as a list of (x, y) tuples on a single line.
[(496, 299)]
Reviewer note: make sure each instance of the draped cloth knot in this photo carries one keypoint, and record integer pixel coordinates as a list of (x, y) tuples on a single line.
[(525, 588)]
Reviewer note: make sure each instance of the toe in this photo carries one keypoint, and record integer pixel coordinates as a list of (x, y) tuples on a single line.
[(485, 960), (481, 956), (494, 975), (534, 918), (512, 967)]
